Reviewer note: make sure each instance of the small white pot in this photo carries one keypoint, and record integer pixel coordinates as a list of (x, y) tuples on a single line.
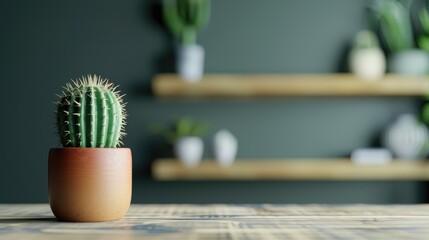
[(225, 147), (189, 150), (367, 63), (190, 62), (411, 62), (406, 138)]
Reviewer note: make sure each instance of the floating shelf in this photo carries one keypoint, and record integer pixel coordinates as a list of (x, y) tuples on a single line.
[(277, 85), (291, 169)]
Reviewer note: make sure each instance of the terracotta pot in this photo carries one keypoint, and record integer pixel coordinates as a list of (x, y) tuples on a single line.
[(90, 184)]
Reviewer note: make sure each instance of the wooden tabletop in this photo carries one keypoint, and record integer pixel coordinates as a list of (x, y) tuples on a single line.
[(259, 221)]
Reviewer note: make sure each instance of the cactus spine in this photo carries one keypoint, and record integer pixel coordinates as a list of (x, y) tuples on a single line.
[(90, 114), (185, 17)]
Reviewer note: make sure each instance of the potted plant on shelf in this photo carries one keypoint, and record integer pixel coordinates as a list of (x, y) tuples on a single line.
[(366, 59), (396, 28), (185, 138), (184, 18), (89, 177)]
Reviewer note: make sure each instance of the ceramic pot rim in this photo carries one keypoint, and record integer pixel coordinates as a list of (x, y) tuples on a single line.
[(81, 148), (89, 150)]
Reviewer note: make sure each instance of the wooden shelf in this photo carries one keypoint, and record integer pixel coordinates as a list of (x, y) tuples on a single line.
[(276, 85), (291, 169)]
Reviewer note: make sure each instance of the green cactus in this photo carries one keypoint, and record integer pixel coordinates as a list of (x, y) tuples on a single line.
[(90, 114), (185, 17)]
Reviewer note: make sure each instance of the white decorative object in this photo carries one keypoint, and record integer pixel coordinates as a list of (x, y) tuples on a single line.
[(406, 137), (411, 62), (367, 60), (368, 63), (225, 146), (371, 156), (189, 150), (190, 62)]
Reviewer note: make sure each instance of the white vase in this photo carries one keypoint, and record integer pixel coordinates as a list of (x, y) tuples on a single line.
[(367, 63), (225, 146), (189, 150), (190, 62), (406, 137), (411, 62)]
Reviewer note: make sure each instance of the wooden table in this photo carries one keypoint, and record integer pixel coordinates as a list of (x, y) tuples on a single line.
[(35, 221)]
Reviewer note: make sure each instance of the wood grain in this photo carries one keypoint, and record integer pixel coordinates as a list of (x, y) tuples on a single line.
[(220, 221), (291, 169), (277, 85)]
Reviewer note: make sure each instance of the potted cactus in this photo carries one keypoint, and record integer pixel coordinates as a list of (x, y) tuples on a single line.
[(89, 177), (184, 18)]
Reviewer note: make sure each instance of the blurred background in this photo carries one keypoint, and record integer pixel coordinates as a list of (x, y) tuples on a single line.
[(46, 43)]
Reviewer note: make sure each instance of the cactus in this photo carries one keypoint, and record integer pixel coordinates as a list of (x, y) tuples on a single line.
[(185, 17), (90, 113)]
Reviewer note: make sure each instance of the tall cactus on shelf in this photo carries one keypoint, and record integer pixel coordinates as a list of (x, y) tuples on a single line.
[(185, 17), (90, 114)]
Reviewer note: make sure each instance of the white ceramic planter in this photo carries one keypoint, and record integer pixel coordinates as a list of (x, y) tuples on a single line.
[(190, 62), (225, 147), (189, 150), (406, 138), (411, 62), (367, 63)]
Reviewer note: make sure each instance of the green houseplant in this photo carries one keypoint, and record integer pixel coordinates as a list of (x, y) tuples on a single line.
[(184, 18), (185, 137), (423, 40), (397, 31), (89, 177)]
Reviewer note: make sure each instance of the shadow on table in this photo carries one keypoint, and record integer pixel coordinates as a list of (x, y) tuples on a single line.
[(28, 220)]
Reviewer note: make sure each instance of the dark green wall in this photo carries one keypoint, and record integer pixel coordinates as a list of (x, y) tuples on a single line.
[(46, 43)]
